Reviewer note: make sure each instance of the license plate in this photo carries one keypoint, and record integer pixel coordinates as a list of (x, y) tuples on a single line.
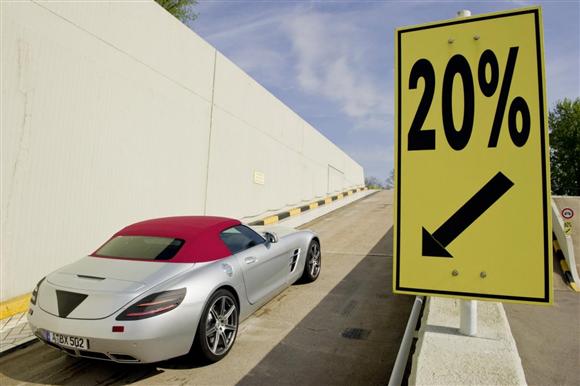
[(67, 340)]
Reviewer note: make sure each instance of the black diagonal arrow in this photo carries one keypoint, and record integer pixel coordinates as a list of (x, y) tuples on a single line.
[(434, 244)]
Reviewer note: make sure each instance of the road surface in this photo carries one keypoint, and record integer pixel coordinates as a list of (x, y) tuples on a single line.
[(548, 338)]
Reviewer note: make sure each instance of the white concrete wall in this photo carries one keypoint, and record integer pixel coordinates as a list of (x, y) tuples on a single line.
[(107, 119)]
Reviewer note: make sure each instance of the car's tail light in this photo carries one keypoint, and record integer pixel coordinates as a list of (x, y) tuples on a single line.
[(153, 305), (34, 295)]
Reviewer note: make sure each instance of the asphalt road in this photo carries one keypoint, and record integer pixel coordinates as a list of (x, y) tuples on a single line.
[(345, 328), (548, 338)]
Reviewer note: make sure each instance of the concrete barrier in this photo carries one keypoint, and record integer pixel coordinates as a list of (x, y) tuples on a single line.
[(443, 356), (568, 242), (304, 208)]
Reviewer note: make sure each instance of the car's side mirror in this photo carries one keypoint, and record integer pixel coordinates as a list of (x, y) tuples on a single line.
[(271, 237)]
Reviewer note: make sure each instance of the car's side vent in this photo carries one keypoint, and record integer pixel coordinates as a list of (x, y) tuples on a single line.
[(294, 259)]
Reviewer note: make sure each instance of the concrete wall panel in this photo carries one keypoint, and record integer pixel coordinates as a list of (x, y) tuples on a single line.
[(148, 34)]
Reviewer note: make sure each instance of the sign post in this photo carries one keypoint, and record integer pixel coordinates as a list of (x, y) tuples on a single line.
[(468, 317), (472, 216), (468, 308)]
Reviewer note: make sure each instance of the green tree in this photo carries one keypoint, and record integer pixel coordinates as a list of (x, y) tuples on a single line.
[(181, 9), (373, 183), (564, 122), (390, 181)]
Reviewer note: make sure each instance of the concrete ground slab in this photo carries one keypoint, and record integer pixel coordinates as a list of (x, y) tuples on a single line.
[(445, 357)]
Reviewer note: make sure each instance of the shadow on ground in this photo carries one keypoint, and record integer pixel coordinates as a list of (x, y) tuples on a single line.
[(351, 337), (56, 368)]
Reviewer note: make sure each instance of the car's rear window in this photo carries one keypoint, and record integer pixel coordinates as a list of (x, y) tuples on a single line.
[(140, 247)]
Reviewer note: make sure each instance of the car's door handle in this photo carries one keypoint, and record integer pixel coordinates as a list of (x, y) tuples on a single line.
[(250, 260)]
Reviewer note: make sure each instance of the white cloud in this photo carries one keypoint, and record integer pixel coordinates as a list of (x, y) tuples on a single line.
[(330, 59), (378, 160), (235, 27), (562, 80), (247, 41), (263, 61), (326, 51)]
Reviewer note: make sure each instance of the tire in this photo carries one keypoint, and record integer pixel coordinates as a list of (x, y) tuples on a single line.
[(313, 263), (219, 321)]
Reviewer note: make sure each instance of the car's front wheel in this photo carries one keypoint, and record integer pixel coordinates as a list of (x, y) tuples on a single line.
[(313, 263), (218, 326)]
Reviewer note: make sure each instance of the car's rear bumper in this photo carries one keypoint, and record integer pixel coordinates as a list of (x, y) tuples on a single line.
[(142, 341)]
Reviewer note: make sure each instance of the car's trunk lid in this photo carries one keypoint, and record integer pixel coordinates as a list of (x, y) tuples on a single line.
[(95, 287)]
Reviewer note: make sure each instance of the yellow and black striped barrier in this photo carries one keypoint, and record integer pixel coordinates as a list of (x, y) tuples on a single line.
[(564, 264), (298, 210)]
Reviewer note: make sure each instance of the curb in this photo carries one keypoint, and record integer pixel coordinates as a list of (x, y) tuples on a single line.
[(564, 265), (444, 356), (14, 306), (298, 210), (18, 347), (403, 363)]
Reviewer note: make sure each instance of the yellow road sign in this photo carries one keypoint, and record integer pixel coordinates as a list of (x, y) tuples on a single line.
[(472, 175)]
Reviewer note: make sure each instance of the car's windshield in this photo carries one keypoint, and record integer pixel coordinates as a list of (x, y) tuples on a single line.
[(140, 247)]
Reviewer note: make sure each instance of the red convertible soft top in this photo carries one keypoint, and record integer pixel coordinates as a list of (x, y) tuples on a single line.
[(200, 233)]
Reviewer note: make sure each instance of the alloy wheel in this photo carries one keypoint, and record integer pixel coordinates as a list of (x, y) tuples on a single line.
[(314, 261), (221, 325)]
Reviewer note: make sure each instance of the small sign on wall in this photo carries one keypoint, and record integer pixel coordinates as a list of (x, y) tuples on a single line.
[(259, 177), (568, 213)]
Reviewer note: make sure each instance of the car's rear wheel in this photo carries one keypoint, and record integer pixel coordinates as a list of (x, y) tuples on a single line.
[(218, 326), (313, 262)]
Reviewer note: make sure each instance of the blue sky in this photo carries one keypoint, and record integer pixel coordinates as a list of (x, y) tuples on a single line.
[(332, 61)]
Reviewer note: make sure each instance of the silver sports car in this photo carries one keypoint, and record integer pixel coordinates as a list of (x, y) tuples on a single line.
[(161, 288)]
